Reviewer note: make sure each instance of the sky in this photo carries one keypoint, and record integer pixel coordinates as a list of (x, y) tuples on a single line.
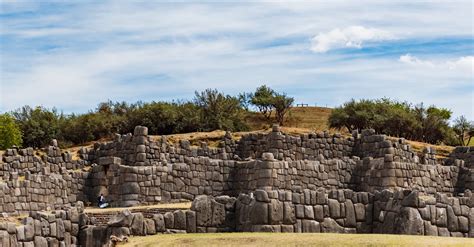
[(74, 54)]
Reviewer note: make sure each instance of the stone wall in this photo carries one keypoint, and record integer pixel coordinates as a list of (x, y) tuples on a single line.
[(141, 169), (43, 229), (346, 211), (130, 185), (311, 211), (286, 147)]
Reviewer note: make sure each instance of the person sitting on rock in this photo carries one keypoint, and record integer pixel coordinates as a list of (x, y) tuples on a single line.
[(102, 203)]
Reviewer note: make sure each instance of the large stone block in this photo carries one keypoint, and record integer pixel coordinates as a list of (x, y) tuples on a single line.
[(259, 213), (137, 225), (334, 208), (179, 220), (350, 214), (190, 221), (124, 218), (40, 241), (330, 225), (202, 205), (311, 226), (452, 220), (276, 212), (409, 222), (289, 216), (150, 228), (159, 222), (169, 220), (308, 212)]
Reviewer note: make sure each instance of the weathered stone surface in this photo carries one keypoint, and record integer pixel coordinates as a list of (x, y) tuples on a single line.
[(40, 241), (276, 212), (319, 213), (190, 221), (430, 230), (350, 214), (261, 196), (124, 218), (137, 224), (410, 222), (452, 220), (259, 213), (179, 220), (330, 225), (289, 216), (334, 209), (311, 226), (202, 205), (150, 228), (218, 213), (169, 220), (159, 222)]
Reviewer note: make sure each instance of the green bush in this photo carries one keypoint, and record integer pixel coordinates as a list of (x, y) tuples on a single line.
[(38, 126), (10, 133), (394, 118)]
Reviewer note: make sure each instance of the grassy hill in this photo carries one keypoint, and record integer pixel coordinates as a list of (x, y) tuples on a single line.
[(315, 118)]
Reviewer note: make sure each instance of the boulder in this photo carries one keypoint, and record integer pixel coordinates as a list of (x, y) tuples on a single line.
[(218, 213), (452, 220), (137, 225), (276, 212), (190, 221), (259, 213), (179, 220), (124, 218), (330, 225), (150, 228), (261, 196), (334, 208), (311, 226), (202, 205), (159, 222), (409, 222), (289, 216), (40, 241), (350, 214), (169, 220)]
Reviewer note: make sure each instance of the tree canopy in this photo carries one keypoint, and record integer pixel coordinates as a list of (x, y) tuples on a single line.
[(10, 133), (427, 124)]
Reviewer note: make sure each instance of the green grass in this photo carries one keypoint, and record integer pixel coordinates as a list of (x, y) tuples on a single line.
[(294, 239)]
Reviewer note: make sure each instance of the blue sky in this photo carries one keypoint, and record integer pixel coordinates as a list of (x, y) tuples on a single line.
[(73, 55)]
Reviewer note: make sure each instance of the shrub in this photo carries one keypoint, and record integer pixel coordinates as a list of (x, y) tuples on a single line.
[(10, 133)]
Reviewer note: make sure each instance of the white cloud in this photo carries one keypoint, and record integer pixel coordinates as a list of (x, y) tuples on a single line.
[(74, 56), (412, 60), (351, 37), (462, 64)]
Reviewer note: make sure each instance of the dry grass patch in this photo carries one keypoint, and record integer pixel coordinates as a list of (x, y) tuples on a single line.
[(294, 239), (315, 118), (178, 205)]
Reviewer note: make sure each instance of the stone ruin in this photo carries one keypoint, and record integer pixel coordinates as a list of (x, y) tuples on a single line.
[(271, 182)]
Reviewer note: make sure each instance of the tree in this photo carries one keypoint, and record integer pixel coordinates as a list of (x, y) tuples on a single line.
[(219, 111), (267, 100), (10, 133), (463, 128), (39, 125), (262, 99), (282, 104), (394, 118), (245, 100)]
